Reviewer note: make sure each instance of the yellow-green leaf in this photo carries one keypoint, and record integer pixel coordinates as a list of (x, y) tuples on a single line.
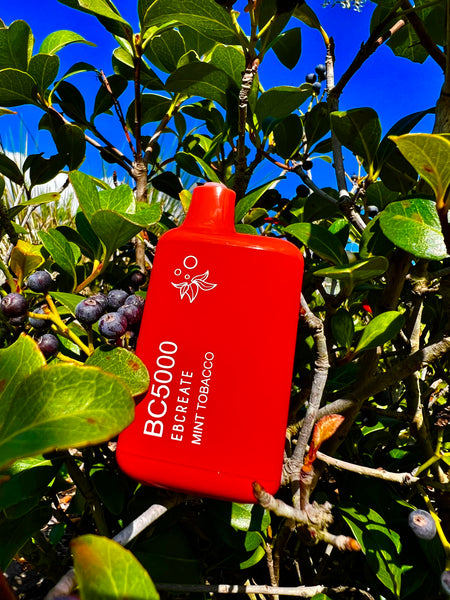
[(429, 154), (105, 569)]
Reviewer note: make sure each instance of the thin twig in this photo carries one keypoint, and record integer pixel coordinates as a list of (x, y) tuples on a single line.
[(292, 467), (301, 591), (66, 584), (402, 478)]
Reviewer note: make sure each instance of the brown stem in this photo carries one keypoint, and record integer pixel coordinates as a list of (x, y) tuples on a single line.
[(292, 467), (119, 112), (242, 177)]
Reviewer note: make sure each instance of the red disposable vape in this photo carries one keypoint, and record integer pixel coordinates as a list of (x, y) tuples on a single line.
[(218, 338)]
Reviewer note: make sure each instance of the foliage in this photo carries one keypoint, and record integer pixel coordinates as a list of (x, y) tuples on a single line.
[(373, 337)]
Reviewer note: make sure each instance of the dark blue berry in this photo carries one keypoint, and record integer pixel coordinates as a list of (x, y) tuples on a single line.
[(13, 305), (112, 325), (116, 298), (136, 300), (39, 323), (317, 87), (101, 299), (302, 191), (40, 281), (48, 344), (311, 78), (422, 524), (321, 71), (445, 582), (88, 311), (307, 165), (131, 312), (137, 279)]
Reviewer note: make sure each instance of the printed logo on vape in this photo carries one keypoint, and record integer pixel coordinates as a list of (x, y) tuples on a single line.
[(193, 283)]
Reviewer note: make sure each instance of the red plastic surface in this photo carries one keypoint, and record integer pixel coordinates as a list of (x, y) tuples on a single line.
[(218, 337)]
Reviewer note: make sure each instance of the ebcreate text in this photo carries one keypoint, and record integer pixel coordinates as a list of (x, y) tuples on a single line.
[(177, 400)]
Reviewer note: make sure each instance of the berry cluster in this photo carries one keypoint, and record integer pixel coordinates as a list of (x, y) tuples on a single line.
[(316, 78), (118, 313), (14, 307)]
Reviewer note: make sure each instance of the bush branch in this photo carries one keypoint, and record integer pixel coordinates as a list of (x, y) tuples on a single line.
[(300, 591), (292, 467), (66, 584)]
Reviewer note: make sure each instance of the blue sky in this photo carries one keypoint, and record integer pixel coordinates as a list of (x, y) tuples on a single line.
[(393, 86)]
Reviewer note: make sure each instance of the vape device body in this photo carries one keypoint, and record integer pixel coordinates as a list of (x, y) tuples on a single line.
[(218, 338)]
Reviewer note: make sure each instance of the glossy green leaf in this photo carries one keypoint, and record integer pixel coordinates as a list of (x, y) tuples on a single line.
[(166, 49), (57, 40), (397, 173), (17, 362), (379, 330), (123, 364), (120, 199), (195, 41), (359, 130), (60, 250), (249, 517), (288, 135), (36, 201), (71, 102), (43, 170), (413, 225), (44, 70), (288, 47), (116, 229), (106, 13), (71, 144), (15, 532), (154, 108), (104, 99), (68, 300), (373, 242), (429, 154), (401, 127), (317, 124), (206, 17), (305, 13), (86, 232), (168, 183), (254, 559), (406, 44), (62, 406), (122, 63), (105, 569), (355, 272), (16, 88), (279, 102), (320, 241), (230, 60), (28, 477), (200, 79), (343, 328), (86, 192), (9, 169), (378, 194), (250, 199), (380, 544), (16, 46)]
